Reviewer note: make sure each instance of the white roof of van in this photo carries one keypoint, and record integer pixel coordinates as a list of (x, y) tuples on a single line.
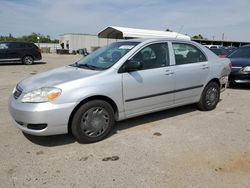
[(128, 33)]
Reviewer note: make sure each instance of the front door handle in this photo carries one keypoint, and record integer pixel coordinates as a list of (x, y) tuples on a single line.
[(169, 72)]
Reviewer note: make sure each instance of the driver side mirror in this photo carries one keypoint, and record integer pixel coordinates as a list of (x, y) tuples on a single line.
[(132, 65)]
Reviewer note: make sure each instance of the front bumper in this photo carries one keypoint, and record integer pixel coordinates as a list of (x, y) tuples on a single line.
[(239, 77), (53, 117)]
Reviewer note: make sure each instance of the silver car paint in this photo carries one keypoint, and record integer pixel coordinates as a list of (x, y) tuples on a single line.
[(79, 84)]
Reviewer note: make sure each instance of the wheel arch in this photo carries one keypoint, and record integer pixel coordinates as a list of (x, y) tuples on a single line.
[(216, 80), (96, 97), (25, 55)]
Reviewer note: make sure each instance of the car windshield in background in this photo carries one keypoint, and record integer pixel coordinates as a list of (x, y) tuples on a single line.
[(241, 53), (106, 57)]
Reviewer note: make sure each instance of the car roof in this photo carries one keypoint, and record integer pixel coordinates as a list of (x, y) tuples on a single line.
[(245, 46), (157, 39), (16, 42)]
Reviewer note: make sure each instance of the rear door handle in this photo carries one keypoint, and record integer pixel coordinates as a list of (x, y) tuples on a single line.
[(205, 67), (169, 72)]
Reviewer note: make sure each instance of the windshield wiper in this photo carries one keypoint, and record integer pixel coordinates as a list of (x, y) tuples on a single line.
[(88, 66), (74, 64)]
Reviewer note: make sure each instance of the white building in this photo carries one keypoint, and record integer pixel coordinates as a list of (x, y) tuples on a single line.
[(76, 41), (51, 46)]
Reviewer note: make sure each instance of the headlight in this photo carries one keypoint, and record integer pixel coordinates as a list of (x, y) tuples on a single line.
[(246, 69), (44, 94)]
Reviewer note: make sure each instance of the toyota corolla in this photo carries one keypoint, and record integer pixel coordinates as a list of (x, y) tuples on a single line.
[(122, 80)]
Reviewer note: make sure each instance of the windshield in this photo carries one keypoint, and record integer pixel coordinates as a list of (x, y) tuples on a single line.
[(241, 53), (105, 57)]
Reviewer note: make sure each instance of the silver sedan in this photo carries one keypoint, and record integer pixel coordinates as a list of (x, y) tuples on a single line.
[(122, 80)]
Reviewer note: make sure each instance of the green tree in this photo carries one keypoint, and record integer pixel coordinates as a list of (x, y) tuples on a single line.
[(33, 37), (198, 37)]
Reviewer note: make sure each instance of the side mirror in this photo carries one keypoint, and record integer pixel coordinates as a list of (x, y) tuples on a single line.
[(132, 65)]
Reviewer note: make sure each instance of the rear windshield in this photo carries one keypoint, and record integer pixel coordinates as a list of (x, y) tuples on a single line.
[(219, 51), (241, 53)]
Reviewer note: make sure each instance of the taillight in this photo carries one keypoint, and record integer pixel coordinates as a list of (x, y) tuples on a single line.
[(222, 56), (38, 50), (230, 66)]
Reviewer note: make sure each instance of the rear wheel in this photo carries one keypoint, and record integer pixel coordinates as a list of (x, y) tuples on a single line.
[(210, 97), (93, 121), (27, 60)]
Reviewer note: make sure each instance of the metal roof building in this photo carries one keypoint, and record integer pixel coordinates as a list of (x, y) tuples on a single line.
[(129, 33), (76, 41), (221, 42)]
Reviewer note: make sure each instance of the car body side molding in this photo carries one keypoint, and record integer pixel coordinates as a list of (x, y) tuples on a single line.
[(165, 93)]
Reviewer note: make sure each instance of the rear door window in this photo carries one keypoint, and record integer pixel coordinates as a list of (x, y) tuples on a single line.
[(187, 53), (29, 45), (17, 45)]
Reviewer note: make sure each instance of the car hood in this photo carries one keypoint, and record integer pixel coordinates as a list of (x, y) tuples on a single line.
[(55, 77), (240, 62)]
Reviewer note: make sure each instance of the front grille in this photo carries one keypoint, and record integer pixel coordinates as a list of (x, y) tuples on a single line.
[(18, 91), (236, 69)]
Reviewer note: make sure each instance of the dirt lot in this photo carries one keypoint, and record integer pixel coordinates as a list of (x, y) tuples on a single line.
[(182, 147)]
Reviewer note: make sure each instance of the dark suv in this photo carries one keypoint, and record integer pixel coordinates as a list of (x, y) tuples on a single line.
[(19, 51)]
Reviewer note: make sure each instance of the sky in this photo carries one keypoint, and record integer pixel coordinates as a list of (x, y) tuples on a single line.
[(210, 18)]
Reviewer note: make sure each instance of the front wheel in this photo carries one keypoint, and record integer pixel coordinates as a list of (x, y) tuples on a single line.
[(210, 97), (93, 121)]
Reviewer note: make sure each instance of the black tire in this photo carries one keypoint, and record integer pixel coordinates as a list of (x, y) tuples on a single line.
[(210, 97), (231, 84), (93, 121), (28, 60)]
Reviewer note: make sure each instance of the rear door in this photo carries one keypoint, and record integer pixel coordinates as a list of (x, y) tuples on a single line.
[(152, 87), (191, 70)]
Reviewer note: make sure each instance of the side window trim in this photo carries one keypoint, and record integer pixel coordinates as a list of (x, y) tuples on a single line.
[(186, 43), (151, 43), (144, 46)]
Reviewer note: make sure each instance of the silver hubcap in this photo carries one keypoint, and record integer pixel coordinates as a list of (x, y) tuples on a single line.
[(28, 60), (95, 121), (212, 96)]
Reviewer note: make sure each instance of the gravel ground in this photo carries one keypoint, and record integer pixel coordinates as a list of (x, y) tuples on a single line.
[(181, 147)]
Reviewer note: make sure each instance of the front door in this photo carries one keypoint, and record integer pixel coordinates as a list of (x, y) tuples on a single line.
[(152, 87), (14, 51)]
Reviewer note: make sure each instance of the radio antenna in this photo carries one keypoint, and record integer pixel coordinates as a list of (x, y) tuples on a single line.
[(179, 31)]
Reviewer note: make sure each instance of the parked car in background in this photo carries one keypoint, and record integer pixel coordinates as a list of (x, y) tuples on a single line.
[(147, 75), (240, 59), (25, 52), (213, 46), (220, 52), (230, 49)]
